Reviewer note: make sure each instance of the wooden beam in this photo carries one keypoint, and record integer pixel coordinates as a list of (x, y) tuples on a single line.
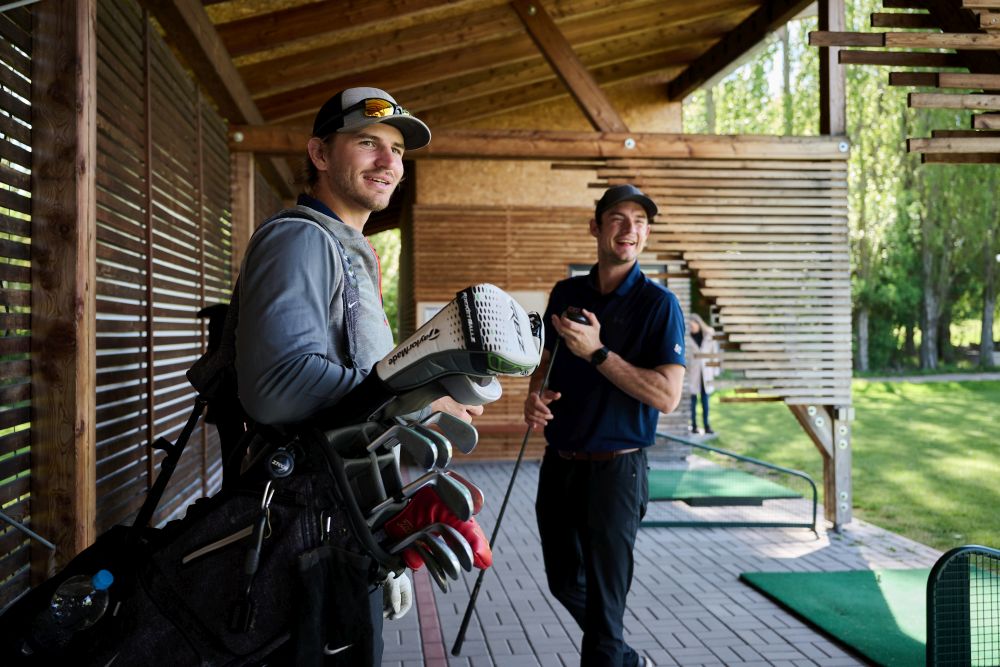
[(64, 273), (899, 59), (960, 158), (963, 134), (564, 62), (829, 429), (981, 4), (986, 121), (966, 41), (189, 30), (553, 145), (954, 20), (954, 145), (832, 78), (947, 101), (989, 20), (827, 38), (917, 21), (241, 181), (769, 17), (917, 79)]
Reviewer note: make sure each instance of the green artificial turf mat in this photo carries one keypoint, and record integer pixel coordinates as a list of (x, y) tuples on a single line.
[(882, 614), (719, 486)]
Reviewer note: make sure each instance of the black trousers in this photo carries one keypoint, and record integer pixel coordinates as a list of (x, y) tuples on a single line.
[(588, 515)]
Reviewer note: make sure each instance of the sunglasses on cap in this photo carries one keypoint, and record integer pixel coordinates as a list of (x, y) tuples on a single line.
[(372, 107)]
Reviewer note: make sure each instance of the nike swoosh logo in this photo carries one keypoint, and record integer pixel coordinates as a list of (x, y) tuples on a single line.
[(334, 651)]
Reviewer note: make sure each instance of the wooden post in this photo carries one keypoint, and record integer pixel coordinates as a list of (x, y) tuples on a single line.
[(63, 313), (832, 82), (829, 428), (241, 184)]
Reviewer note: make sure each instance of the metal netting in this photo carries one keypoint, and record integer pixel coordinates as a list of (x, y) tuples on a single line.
[(963, 608), (712, 487)]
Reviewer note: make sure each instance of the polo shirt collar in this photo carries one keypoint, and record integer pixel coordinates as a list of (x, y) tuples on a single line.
[(317, 205), (633, 277)]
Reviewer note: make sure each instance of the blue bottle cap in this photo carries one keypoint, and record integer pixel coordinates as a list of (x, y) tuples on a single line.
[(102, 580)]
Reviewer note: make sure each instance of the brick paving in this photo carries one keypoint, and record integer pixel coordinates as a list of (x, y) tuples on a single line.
[(686, 606)]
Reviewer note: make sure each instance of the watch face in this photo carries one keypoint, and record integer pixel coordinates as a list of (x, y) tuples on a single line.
[(598, 357)]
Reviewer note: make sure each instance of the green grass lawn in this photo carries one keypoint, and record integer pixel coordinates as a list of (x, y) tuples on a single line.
[(926, 457)]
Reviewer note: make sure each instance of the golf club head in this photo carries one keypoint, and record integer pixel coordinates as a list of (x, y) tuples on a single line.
[(459, 547), (462, 435), (444, 556), (437, 574), (441, 442), (478, 499), (422, 450), (452, 493)]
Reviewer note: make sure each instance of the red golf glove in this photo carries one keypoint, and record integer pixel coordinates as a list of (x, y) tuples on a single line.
[(426, 508)]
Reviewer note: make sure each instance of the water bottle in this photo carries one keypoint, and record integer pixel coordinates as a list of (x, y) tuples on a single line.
[(78, 603)]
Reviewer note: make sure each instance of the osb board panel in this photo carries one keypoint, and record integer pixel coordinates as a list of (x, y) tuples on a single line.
[(492, 183)]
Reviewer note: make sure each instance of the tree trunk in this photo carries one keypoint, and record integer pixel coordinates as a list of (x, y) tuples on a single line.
[(931, 311), (710, 111), (946, 351), (861, 326), (909, 344), (786, 77), (987, 348)]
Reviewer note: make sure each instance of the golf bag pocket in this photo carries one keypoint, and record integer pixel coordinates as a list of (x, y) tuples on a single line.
[(333, 623)]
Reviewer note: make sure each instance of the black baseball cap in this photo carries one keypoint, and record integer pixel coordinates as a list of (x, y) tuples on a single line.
[(351, 109), (619, 193)]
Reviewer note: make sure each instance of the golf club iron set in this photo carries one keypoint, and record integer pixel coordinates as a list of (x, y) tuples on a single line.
[(377, 483)]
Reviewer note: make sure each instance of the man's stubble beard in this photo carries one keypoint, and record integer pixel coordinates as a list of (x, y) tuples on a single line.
[(370, 201)]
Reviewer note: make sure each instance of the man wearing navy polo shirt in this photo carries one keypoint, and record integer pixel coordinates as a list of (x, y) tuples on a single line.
[(607, 388)]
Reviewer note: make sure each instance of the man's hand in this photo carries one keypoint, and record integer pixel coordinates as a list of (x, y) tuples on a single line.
[(581, 339), (452, 407), (536, 408), (397, 596)]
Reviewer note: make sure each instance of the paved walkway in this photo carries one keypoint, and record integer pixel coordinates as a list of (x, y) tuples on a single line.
[(940, 377), (686, 606)]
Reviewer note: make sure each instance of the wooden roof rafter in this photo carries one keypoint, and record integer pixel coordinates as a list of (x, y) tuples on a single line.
[(962, 25)]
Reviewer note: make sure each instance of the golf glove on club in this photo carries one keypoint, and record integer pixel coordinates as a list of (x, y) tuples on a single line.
[(426, 508), (397, 596)]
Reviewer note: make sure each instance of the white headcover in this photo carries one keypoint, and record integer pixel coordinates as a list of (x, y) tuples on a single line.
[(481, 333)]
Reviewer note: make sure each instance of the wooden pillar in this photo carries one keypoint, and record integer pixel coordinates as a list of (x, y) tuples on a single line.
[(64, 266), (832, 82), (242, 187), (829, 429)]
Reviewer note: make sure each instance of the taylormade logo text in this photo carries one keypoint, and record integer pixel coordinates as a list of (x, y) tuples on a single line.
[(403, 351), (468, 322)]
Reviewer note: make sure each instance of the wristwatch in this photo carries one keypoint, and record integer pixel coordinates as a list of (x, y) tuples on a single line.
[(598, 357)]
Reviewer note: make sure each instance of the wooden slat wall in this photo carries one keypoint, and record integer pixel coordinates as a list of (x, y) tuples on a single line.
[(266, 201), (517, 249), (163, 253), (767, 239), (15, 296)]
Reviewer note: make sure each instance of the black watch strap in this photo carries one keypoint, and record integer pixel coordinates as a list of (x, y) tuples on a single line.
[(598, 357)]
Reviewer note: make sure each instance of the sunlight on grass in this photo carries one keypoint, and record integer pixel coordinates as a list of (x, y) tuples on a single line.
[(925, 459)]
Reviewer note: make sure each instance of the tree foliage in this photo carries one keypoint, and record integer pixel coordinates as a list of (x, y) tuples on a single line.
[(923, 238)]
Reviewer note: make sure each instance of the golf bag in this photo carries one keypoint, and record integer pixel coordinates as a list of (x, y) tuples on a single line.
[(282, 559)]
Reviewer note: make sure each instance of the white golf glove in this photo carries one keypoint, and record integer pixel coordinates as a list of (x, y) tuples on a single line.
[(397, 596)]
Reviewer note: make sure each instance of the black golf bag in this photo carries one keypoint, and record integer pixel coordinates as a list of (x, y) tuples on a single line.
[(277, 567)]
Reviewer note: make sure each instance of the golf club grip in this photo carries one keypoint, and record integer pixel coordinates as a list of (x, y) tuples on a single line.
[(460, 638)]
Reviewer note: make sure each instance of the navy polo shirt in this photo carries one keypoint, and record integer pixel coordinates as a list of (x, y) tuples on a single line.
[(642, 322)]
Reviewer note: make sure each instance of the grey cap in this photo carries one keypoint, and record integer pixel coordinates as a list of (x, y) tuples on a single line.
[(619, 193), (332, 117)]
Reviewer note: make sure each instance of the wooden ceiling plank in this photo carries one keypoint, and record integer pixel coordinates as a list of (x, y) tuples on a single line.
[(954, 145), (904, 4), (477, 40), (770, 16), (972, 41), (963, 134), (947, 101), (959, 158), (981, 4), (190, 31), (917, 21), (259, 33), (827, 38), (953, 20), (986, 121), (444, 66), (899, 59), (921, 79), (990, 20), (581, 85)]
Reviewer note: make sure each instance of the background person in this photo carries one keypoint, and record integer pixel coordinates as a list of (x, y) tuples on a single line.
[(292, 354), (702, 369), (608, 385)]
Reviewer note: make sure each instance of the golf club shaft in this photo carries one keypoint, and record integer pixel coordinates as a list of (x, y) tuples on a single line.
[(460, 639)]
